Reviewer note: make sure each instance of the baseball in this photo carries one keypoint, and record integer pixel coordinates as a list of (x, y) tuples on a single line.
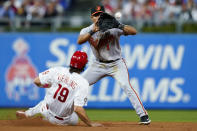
[(118, 15)]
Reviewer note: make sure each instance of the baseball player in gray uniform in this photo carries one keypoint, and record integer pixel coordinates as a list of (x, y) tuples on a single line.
[(65, 96), (109, 62)]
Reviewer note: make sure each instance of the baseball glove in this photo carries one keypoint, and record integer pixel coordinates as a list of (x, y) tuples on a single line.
[(106, 22)]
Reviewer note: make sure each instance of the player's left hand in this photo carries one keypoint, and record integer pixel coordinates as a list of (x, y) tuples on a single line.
[(96, 124), (107, 21)]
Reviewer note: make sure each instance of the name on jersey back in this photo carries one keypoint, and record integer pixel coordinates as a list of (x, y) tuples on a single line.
[(66, 79)]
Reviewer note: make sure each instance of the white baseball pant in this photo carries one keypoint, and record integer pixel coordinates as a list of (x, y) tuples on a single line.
[(46, 113)]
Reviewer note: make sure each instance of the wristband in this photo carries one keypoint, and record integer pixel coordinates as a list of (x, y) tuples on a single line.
[(121, 26), (45, 85), (91, 32)]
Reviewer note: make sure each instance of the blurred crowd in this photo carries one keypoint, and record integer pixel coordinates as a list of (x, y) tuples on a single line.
[(153, 10), (156, 11), (32, 8)]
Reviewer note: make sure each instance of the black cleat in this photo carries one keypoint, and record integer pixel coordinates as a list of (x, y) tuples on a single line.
[(144, 120)]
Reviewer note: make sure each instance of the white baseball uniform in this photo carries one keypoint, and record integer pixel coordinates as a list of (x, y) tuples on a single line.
[(109, 62), (66, 91)]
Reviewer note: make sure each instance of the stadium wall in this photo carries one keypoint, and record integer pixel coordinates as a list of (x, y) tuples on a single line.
[(162, 69)]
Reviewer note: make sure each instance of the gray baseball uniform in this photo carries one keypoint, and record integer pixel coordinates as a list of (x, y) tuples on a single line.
[(109, 62)]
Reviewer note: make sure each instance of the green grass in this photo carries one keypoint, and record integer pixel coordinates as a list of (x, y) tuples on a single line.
[(7, 114), (125, 115), (155, 115)]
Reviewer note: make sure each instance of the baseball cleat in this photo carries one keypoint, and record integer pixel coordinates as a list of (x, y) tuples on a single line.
[(20, 114), (144, 120)]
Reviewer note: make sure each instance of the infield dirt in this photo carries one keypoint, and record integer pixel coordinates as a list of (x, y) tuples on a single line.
[(37, 124)]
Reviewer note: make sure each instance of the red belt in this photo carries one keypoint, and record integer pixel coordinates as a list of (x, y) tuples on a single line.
[(59, 118)]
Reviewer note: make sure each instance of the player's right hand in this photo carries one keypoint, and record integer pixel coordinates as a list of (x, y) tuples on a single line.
[(95, 28), (95, 124)]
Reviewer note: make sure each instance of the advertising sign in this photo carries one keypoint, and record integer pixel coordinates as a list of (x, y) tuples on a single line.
[(161, 68)]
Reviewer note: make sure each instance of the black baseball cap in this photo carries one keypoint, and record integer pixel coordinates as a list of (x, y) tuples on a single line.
[(97, 9)]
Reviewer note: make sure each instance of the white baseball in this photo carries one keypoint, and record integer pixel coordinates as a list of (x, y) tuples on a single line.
[(118, 15)]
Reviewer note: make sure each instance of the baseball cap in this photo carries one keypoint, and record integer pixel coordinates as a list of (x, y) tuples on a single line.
[(79, 60), (97, 9)]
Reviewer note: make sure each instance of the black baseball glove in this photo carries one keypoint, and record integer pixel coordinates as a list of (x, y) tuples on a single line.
[(106, 22)]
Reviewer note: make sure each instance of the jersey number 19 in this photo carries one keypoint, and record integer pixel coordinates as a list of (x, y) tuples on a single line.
[(63, 93)]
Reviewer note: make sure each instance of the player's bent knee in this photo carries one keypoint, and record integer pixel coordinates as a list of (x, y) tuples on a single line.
[(73, 119)]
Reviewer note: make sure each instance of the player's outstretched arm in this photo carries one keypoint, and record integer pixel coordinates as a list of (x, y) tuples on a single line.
[(129, 30), (38, 83), (83, 116)]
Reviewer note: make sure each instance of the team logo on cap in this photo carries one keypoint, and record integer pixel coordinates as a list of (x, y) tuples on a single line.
[(20, 74)]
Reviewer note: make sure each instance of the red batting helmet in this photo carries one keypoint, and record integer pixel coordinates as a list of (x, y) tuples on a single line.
[(79, 60)]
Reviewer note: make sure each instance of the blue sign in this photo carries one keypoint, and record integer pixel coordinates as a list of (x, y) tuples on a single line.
[(162, 69)]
